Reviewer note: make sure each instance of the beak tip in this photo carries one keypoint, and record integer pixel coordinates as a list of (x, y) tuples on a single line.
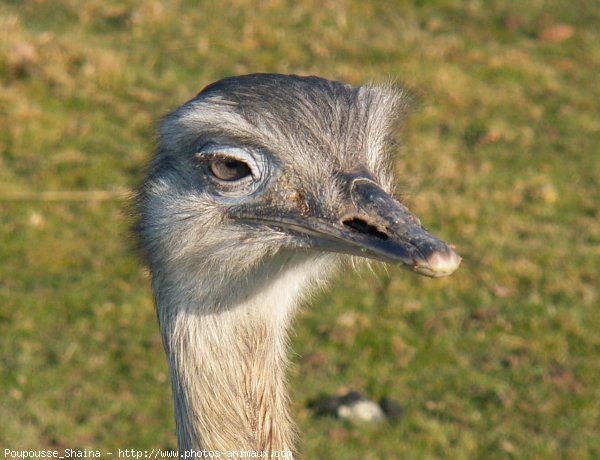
[(439, 264)]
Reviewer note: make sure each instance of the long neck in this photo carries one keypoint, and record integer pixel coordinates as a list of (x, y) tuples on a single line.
[(228, 361), (228, 372)]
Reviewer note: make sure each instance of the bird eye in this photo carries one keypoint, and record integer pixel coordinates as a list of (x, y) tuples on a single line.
[(229, 169)]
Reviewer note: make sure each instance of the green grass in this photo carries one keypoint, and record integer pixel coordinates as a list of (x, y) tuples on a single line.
[(500, 156)]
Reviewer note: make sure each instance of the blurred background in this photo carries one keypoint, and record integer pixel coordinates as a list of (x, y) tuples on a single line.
[(500, 156)]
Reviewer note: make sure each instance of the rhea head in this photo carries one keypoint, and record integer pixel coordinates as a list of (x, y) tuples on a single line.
[(263, 165)]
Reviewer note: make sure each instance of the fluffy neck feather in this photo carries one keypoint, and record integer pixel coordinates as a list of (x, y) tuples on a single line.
[(227, 357)]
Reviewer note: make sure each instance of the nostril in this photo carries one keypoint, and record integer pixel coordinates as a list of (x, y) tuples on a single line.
[(362, 226)]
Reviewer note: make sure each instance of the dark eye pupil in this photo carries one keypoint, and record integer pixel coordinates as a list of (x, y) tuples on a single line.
[(229, 169)]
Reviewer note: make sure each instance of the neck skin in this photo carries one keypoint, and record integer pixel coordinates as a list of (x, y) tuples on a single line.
[(228, 358)]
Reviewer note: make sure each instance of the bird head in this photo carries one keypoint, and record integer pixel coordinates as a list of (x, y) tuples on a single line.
[(259, 164)]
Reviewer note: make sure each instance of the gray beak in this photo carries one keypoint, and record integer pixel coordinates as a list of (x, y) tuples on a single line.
[(377, 226)]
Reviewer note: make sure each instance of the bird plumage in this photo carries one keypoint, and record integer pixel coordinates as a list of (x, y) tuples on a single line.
[(258, 184)]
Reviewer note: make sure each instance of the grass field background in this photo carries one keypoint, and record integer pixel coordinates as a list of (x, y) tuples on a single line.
[(500, 156)]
